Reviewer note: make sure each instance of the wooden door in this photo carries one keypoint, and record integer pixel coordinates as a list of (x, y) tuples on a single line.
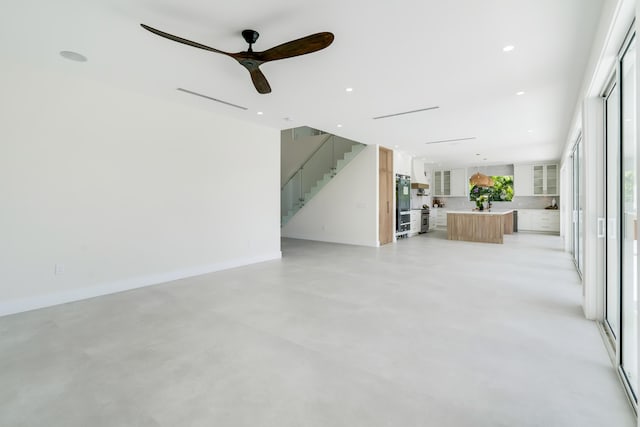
[(385, 207)]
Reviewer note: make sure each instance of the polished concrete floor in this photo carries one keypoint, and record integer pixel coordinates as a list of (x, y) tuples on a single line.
[(424, 332)]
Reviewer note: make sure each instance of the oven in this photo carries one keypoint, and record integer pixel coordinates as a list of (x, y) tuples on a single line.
[(424, 220), (405, 222)]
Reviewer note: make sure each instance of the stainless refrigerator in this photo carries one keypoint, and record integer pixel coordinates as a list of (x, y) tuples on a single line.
[(403, 205)]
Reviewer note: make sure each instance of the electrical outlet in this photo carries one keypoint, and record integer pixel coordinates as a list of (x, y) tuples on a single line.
[(58, 269)]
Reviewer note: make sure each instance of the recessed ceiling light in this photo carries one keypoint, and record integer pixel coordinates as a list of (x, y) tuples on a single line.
[(520, 93), (349, 89), (260, 113), (73, 56), (508, 48), (339, 126), (530, 131), (477, 154), (396, 146)]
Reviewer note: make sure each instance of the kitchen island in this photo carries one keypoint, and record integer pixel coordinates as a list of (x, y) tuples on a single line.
[(479, 226)]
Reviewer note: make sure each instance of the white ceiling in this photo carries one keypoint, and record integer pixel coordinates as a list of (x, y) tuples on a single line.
[(397, 56)]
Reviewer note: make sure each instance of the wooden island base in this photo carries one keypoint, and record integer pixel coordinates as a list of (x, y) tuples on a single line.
[(479, 226)]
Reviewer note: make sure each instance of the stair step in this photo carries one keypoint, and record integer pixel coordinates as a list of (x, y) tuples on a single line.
[(319, 185)]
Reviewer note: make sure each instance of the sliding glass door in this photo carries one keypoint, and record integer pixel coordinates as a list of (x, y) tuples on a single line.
[(619, 227), (577, 205), (612, 221), (629, 220)]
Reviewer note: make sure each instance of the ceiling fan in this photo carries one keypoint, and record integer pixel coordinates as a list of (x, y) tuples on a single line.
[(252, 60)]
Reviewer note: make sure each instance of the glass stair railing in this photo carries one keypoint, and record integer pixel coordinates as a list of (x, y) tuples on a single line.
[(325, 163)]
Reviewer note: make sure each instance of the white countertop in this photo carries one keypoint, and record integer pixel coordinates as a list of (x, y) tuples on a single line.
[(491, 212)]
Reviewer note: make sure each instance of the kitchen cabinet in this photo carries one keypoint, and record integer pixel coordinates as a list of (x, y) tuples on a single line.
[(418, 174), (441, 217), (441, 183), (415, 222), (536, 180), (545, 180), (525, 220), (522, 180), (433, 215), (486, 227), (540, 220), (450, 183), (459, 183)]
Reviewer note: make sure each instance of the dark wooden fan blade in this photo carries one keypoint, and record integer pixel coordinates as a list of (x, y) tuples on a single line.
[(259, 80), (183, 41), (297, 47)]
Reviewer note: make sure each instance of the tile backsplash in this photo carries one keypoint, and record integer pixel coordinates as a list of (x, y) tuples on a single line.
[(533, 202), (417, 201)]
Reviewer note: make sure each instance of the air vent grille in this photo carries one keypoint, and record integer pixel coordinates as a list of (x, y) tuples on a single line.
[(450, 140), (190, 92), (406, 112)]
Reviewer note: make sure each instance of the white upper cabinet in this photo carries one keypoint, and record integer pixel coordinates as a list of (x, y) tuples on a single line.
[(450, 183), (441, 183), (535, 180), (549, 180), (459, 180), (523, 180), (418, 173)]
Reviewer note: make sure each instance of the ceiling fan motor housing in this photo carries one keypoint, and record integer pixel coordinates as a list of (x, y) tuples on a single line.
[(250, 36)]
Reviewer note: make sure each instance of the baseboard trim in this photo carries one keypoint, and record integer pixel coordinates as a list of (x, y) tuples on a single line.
[(324, 239), (20, 305)]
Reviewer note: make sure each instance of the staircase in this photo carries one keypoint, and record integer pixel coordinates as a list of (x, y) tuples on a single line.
[(324, 164)]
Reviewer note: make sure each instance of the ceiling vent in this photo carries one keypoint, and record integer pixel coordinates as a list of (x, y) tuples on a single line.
[(450, 140), (406, 112), (211, 99)]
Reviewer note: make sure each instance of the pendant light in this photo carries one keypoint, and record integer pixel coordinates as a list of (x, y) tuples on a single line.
[(480, 180)]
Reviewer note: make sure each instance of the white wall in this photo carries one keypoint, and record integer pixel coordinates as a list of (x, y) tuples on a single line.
[(123, 190), (346, 209)]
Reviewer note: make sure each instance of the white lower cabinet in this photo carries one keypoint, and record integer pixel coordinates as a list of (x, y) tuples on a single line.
[(541, 220), (433, 216), (415, 222), (441, 219)]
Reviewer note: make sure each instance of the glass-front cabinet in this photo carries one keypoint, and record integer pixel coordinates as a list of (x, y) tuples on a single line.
[(545, 180), (437, 183), (442, 183), (538, 180), (552, 180), (446, 182)]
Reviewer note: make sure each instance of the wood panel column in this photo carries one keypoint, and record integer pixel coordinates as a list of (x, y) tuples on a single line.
[(385, 206)]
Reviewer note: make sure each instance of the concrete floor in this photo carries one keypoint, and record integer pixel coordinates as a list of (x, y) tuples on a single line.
[(425, 332)]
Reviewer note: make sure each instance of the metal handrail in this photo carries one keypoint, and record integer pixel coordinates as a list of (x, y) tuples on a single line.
[(329, 136)]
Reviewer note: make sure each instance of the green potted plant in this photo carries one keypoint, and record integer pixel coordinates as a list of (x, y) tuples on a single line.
[(480, 200)]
